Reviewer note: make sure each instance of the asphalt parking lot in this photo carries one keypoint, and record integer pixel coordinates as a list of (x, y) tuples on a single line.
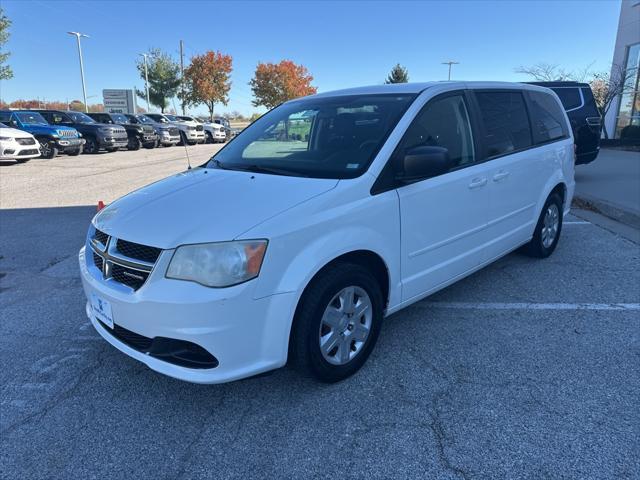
[(526, 369)]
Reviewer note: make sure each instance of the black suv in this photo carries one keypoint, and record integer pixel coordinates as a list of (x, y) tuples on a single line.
[(583, 114), (97, 135), (139, 135)]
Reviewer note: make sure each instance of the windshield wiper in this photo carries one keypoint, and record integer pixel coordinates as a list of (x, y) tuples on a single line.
[(270, 170)]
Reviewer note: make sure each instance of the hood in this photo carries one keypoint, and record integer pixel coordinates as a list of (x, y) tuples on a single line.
[(204, 205), (14, 133), (49, 129)]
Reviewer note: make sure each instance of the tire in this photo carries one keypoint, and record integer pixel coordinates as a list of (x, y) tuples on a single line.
[(546, 235), (48, 149), (134, 144), (75, 153), (325, 299), (208, 138), (90, 146)]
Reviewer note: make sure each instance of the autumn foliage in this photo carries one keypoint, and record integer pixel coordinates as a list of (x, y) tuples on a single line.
[(274, 83), (208, 78)]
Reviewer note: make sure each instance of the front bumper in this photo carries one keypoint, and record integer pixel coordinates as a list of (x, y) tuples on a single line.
[(15, 151), (247, 336), (194, 135), (113, 142), (69, 144), (168, 139)]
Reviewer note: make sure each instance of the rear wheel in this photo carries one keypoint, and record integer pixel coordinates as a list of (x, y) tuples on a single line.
[(337, 323), (547, 232)]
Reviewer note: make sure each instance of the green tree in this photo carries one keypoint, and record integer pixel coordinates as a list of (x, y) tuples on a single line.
[(5, 70), (164, 78), (398, 74)]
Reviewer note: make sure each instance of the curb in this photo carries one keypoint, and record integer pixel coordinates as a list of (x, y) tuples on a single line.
[(614, 212)]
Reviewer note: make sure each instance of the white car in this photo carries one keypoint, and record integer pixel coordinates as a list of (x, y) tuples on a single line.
[(17, 145), (214, 132), (327, 214), (191, 132)]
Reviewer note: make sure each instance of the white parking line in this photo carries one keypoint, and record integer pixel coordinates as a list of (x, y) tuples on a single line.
[(577, 223), (532, 306)]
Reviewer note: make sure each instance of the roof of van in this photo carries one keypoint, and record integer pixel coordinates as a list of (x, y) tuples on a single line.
[(416, 88), (559, 84)]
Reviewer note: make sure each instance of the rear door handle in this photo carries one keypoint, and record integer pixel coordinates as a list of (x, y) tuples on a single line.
[(478, 182), (500, 175)]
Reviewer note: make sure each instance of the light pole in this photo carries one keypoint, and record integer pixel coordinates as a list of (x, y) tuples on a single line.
[(84, 90), (146, 78), (450, 62)]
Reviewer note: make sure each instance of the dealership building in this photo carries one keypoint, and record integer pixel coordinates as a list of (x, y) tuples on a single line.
[(625, 109)]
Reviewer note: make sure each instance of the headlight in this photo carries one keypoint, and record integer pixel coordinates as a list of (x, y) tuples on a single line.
[(191, 128), (6, 139), (218, 264)]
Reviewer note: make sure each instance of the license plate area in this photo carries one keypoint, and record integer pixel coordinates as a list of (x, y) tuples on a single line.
[(101, 309)]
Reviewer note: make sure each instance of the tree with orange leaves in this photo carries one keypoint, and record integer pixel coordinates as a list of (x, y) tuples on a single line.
[(208, 80), (275, 83)]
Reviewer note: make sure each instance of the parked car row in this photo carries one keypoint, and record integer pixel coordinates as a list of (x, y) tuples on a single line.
[(56, 132)]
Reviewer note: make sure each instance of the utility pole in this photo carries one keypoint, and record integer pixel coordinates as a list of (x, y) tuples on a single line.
[(450, 62), (182, 75), (84, 90), (146, 78)]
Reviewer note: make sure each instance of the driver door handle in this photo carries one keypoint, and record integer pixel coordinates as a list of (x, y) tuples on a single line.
[(478, 182), (500, 176)]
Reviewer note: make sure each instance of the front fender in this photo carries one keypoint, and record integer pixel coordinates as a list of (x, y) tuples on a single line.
[(323, 233)]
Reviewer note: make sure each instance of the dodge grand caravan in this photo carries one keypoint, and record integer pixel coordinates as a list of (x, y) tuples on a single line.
[(324, 216)]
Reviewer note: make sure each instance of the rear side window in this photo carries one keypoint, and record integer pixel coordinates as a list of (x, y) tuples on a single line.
[(5, 117), (506, 122), (570, 97), (547, 118)]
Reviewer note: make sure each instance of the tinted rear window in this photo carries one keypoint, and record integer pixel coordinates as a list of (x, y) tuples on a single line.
[(570, 97), (506, 122), (547, 118)]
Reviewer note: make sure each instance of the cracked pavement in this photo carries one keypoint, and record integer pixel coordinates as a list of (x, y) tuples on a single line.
[(452, 393)]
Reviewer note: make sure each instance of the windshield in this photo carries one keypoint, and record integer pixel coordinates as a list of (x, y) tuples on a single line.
[(31, 118), (173, 118), (158, 117), (331, 137), (144, 119), (79, 117), (187, 119), (119, 118)]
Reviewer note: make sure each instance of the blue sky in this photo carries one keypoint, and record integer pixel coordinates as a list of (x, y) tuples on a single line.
[(343, 44)]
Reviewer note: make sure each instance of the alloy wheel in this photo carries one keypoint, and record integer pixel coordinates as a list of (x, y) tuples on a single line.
[(550, 225)]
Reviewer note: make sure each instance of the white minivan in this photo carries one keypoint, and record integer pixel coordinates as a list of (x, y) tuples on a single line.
[(324, 216)]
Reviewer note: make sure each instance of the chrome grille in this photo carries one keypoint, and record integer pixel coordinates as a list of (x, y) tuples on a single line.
[(68, 133), (174, 132), (124, 262), (199, 128), (25, 141)]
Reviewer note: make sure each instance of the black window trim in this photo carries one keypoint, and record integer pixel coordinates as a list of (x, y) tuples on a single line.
[(386, 180)]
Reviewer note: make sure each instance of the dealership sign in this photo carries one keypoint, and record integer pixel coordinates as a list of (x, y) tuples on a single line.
[(119, 101)]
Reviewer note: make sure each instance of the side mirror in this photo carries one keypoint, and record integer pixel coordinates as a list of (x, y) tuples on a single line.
[(424, 162)]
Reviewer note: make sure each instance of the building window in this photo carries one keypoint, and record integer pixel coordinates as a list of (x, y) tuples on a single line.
[(629, 109)]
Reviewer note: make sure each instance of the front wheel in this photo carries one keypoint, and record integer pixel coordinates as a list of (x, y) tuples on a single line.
[(134, 144), (337, 323), (547, 232), (90, 146), (48, 149)]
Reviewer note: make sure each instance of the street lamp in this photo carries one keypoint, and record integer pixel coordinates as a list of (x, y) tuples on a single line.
[(146, 78), (450, 62), (84, 90)]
